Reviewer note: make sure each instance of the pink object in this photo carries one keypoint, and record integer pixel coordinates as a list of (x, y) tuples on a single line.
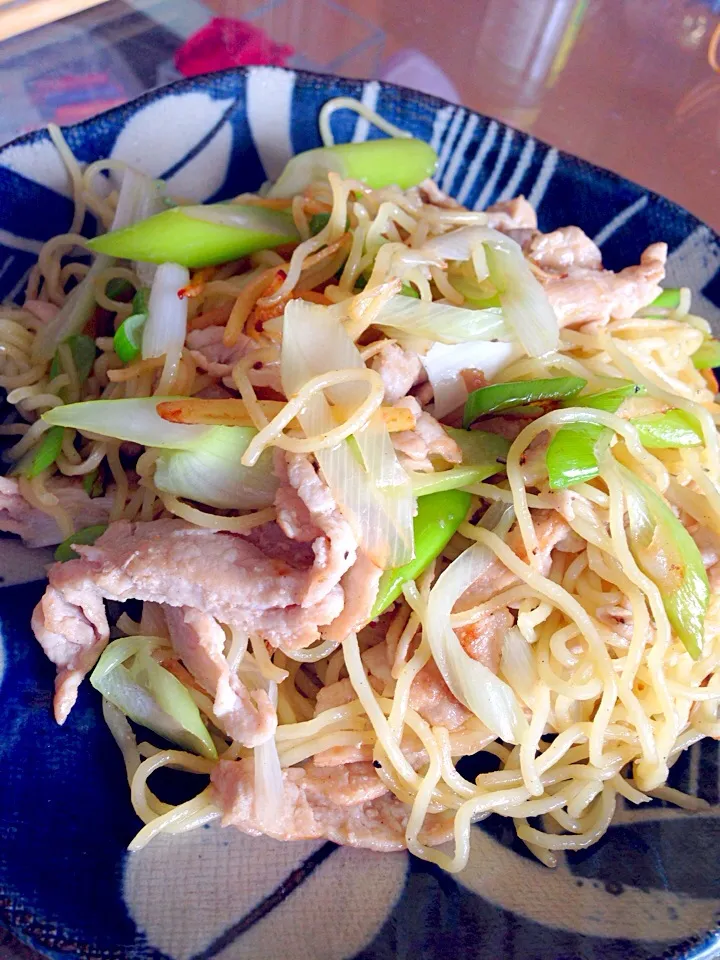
[(225, 42)]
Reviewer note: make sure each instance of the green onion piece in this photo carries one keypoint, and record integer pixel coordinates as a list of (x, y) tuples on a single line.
[(607, 400), (408, 290), (668, 299), (478, 296), (85, 536), (43, 455), (119, 289), (707, 355), (92, 483), (378, 163), (480, 448), (675, 428), (570, 456), (668, 555), (150, 695), (182, 237), (452, 479), (83, 352), (141, 300), (503, 396), (438, 517), (318, 222), (128, 337)]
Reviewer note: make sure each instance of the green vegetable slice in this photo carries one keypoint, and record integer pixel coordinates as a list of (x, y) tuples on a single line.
[(438, 517), (707, 355), (83, 352), (674, 428), (128, 337), (141, 300), (378, 163), (504, 396), (668, 555), (86, 536), (180, 235), (43, 455), (669, 299), (570, 456), (150, 695)]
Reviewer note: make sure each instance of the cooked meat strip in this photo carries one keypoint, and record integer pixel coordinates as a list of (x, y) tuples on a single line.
[(399, 370), (174, 563), (515, 214), (307, 511), (346, 804), (564, 250), (39, 529), (428, 438), (584, 294), (198, 639)]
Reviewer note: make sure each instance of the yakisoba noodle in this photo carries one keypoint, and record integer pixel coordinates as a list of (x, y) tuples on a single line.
[(608, 698)]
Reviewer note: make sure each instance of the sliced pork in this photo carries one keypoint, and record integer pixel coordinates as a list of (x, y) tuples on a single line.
[(174, 563), (39, 529), (399, 369), (199, 640), (427, 439), (509, 215), (307, 511), (564, 250), (210, 353), (347, 804), (584, 294)]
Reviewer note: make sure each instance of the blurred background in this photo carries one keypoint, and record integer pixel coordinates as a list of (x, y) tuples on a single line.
[(633, 85)]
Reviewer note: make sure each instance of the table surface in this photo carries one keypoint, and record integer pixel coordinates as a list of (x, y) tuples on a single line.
[(627, 84)]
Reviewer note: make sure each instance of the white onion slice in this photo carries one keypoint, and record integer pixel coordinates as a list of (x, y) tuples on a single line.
[(524, 302), (491, 699), (442, 322), (517, 665), (135, 419), (443, 364), (377, 497), (269, 787), (211, 472)]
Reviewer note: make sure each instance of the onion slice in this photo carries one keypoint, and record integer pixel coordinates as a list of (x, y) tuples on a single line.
[(491, 699), (375, 495), (524, 303)]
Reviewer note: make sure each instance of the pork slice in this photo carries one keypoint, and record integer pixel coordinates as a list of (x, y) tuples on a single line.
[(360, 586), (39, 529), (550, 528), (346, 804), (337, 694), (306, 510), (199, 640), (564, 250), (590, 294), (428, 438), (173, 563), (483, 639), (431, 697), (210, 353), (515, 214), (430, 192), (399, 369), (41, 309)]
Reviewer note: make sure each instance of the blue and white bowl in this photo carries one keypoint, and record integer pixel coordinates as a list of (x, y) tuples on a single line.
[(650, 888)]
